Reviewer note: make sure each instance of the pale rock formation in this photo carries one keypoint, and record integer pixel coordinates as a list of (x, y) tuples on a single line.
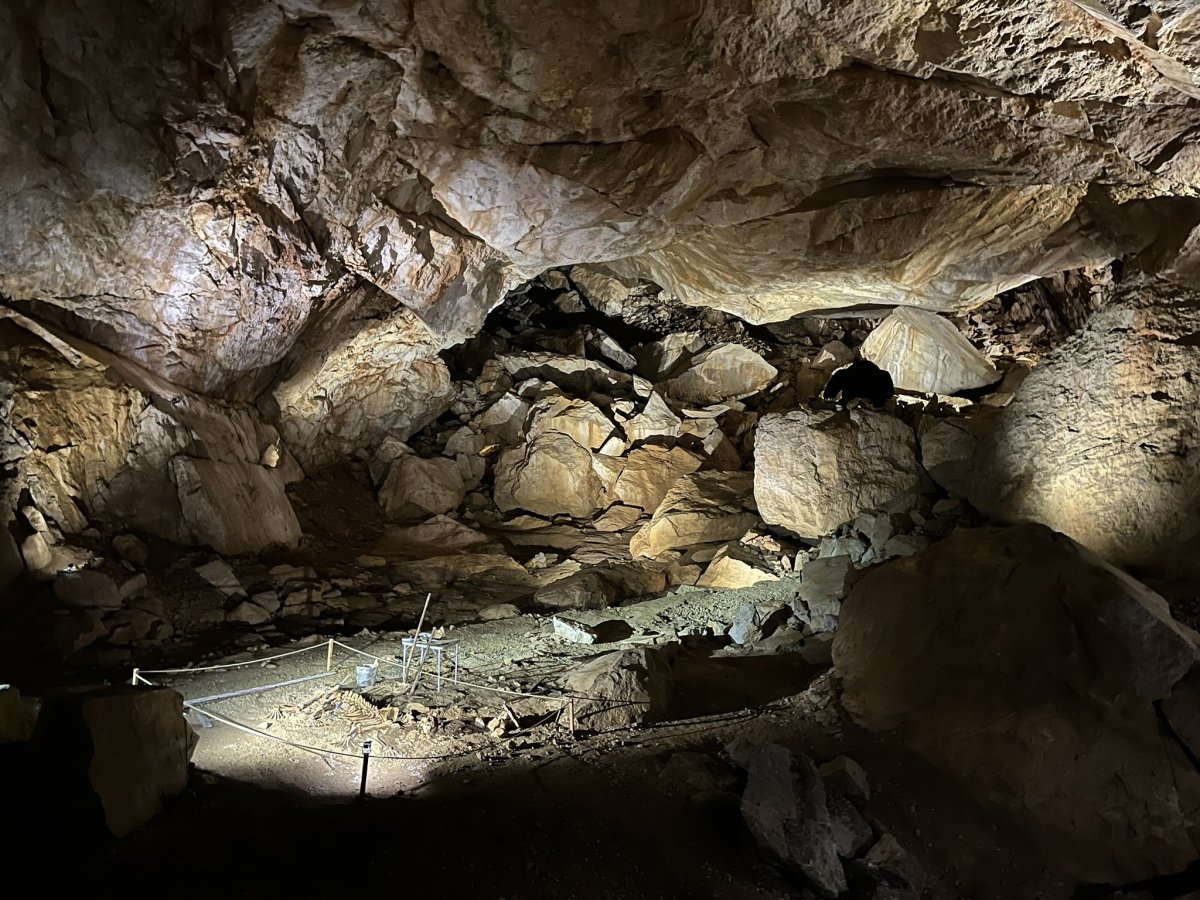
[(505, 420), (815, 470), (87, 588), (123, 748), (1101, 441), (704, 508), (656, 420), (418, 487), (731, 567), (723, 372), (234, 508), (824, 584), (605, 289), (1028, 668), (785, 808), (832, 356), (549, 476), (617, 517), (924, 352), (659, 359), (577, 419), (650, 472)]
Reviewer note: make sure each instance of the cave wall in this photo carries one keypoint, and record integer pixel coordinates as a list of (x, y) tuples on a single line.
[(301, 203)]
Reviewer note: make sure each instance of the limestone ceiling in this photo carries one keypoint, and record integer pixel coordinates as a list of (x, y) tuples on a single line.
[(236, 195)]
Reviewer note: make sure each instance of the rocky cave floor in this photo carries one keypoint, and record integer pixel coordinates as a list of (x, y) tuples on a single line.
[(502, 796)]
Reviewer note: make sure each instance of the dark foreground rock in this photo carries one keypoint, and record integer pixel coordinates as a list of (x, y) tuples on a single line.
[(1021, 663)]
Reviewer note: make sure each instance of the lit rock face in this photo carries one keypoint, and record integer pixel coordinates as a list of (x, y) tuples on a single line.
[(1101, 441), (815, 470), (1028, 668), (202, 191), (152, 457), (924, 352), (551, 475), (704, 508)]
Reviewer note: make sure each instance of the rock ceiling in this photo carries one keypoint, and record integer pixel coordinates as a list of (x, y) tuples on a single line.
[(268, 194)]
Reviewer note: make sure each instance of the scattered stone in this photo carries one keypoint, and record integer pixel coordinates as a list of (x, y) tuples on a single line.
[(981, 646), (843, 775), (784, 806), (234, 507), (889, 857), (579, 420), (416, 487), (656, 420), (268, 600), (132, 587), (752, 624), (125, 748), (498, 611), (617, 518), (130, 548), (733, 568), (249, 613), (371, 562), (219, 574), (832, 356), (924, 352), (650, 472), (552, 474), (16, 716), (576, 632), (904, 545), (87, 587), (824, 583)]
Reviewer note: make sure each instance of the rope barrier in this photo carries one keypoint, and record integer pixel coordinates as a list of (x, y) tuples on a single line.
[(262, 688), (234, 665)]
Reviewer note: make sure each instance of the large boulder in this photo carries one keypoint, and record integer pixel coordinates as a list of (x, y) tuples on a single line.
[(704, 508), (924, 352), (416, 487), (650, 472), (115, 753), (1023, 664), (549, 476), (814, 470), (1101, 441), (723, 372), (578, 419), (785, 808), (622, 689), (234, 507)]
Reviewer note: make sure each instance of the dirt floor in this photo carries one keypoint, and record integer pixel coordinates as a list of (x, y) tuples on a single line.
[(527, 809)]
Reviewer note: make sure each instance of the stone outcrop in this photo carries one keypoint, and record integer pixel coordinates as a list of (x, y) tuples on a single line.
[(816, 470), (551, 475), (925, 352), (416, 488), (118, 752), (625, 688), (1024, 665), (1101, 441), (704, 508), (723, 372)]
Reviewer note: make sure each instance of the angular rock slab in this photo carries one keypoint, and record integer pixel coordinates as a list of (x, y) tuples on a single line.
[(925, 352), (417, 487), (723, 372), (1024, 665), (814, 470), (233, 507), (625, 688), (784, 807), (704, 508), (549, 476), (120, 749), (650, 472)]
